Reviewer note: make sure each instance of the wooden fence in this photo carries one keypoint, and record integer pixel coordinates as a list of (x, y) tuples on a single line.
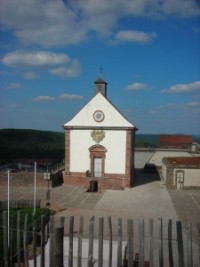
[(107, 242)]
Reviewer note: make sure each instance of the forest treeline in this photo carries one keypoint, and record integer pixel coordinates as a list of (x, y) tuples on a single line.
[(29, 144), (22, 143)]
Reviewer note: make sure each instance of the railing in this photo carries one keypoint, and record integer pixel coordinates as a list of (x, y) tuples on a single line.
[(77, 241)]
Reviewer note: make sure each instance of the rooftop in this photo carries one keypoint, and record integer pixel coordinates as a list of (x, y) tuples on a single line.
[(183, 161)]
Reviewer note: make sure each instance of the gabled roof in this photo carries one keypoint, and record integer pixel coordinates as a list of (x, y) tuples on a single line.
[(112, 117)]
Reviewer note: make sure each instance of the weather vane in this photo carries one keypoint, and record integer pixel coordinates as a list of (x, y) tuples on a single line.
[(100, 70)]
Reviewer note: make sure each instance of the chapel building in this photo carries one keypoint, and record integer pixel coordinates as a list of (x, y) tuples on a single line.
[(99, 144)]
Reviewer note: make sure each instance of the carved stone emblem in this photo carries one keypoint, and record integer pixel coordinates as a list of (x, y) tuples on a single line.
[(98, 135)]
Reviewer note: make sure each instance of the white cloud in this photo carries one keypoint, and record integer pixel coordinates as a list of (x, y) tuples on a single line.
[(183, 88), (72, 70), (194, 104), (70, 97), (34, 59), (30, 75), (14, 86), (136, 86), (133, 36), (47, 98), (54, 23), (44, 98), (168, 106), (58, 64), (47, 23), (153, 112)]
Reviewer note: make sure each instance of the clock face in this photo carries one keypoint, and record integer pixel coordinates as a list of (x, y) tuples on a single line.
[(98, 116)]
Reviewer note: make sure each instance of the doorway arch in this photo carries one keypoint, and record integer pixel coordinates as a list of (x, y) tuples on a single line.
[(97, 160)]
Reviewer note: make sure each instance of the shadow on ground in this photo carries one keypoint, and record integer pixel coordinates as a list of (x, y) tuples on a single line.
[(143, 177)]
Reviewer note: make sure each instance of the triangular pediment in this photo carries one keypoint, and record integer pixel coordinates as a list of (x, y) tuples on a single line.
[(99, 112)]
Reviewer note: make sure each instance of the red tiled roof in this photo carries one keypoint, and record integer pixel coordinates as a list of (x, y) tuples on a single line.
[(183, 161), (175, 139)]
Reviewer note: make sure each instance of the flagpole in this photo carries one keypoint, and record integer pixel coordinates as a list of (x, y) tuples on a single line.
[(35, 182), (8, 208)]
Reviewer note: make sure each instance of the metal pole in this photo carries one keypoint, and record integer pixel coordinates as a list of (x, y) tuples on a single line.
[(8, 208), (35, 171)]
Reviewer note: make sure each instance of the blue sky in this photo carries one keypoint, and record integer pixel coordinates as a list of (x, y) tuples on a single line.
[(51, 52)]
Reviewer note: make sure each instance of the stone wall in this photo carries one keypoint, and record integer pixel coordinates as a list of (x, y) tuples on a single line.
[(23, 178)]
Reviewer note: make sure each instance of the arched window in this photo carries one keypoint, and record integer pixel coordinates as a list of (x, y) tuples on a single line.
[(97, 160)]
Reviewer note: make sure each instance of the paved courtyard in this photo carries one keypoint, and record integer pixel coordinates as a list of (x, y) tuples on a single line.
[(149, 199)]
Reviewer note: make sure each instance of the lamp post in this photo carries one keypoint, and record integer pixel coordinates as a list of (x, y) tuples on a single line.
[(35, 183), (8, 208), (47, 177)]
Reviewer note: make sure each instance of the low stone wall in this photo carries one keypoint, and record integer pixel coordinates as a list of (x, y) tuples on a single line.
[(23, 178), (115, 183)]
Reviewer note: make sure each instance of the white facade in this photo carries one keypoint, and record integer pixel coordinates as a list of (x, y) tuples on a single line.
[(99, 144), (114, 142)]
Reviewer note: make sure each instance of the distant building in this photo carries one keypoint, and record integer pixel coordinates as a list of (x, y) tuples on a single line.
[(176, 141), (181, 172), (99, 144)]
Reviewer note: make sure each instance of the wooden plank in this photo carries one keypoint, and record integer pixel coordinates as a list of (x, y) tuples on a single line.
[(189, 245), (100, 250), (130, 249), (91, 237), (42, 242), (25, 240), (151, 258), (110, 242), (170, 248), (80, 240), (180, 244), (160, 242), (5, 238), (119, 244), (11, 240), (34, 239), (18, 238), (141, 243), (59, 237), (51, 241), (71, 231)]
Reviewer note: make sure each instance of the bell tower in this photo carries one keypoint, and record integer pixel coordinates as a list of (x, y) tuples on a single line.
[(100, 85)]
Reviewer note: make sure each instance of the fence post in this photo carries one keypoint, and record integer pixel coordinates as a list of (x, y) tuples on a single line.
[(25, 241), (80, 238), (119, 245), (91, 237), (11, 240), (110, 242), (42, 241), (100, 254), (51, 242), (130, 247), (141, 243), (160, 242), (5, 238), (59, 235), (151, 258), (18, 239), (171, 261), (180, 244), (189, 245), (34, 239), (71, 230)]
